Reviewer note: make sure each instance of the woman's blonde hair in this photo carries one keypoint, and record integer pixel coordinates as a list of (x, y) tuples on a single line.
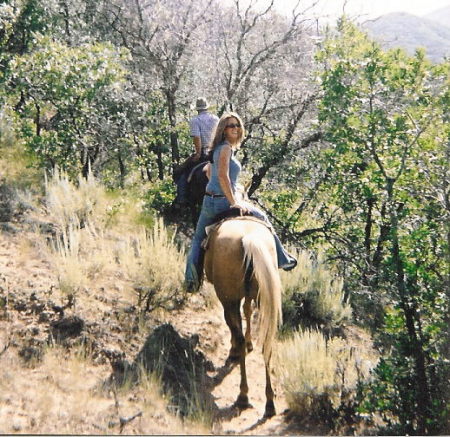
[(219, 133)]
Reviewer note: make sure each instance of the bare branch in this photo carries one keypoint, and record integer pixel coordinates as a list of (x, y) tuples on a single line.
[(409, 146), (125, 420), (280, 155), (245, 69), (5, 348), (372, 142)]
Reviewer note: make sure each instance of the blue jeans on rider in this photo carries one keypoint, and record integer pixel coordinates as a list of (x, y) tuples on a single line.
[(210, 208), (182, 188)]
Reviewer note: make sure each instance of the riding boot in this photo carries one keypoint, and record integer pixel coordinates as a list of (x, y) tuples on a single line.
[(193, 285), (200, 265), (285, 260)]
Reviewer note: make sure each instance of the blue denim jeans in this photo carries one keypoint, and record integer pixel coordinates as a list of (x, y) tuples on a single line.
[(182, 188), (210, 208)]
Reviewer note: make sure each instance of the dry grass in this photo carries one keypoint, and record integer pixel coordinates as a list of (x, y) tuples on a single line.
[(61, 396), (98, 247), (320, 287), (312, 368), (14, 163), (152, 260), (70, 204), (97, 239), (68, 264), (7, 137)]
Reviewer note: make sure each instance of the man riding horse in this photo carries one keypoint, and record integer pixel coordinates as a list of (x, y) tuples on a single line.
[(202, 127)]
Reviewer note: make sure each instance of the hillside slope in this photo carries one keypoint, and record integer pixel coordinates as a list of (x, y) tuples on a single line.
[(69, 356), (54, 388), (441, 16), (411, 32)]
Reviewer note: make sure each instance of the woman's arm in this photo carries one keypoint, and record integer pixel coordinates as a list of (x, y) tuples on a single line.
[(223, 174)]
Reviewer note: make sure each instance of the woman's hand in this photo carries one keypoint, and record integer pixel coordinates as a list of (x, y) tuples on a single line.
[(241, 206)]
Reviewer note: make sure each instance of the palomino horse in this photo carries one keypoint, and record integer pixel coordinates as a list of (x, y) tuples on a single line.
[(241, 263)]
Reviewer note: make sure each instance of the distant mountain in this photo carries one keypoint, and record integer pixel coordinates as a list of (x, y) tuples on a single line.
[(408, 31), (441, 16)]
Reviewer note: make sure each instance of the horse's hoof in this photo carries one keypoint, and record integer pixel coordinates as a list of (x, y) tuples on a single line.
[(242, 402), (270, 409), (249, 346)]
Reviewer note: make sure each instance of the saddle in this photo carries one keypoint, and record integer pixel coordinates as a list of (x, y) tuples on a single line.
[(230, 214)]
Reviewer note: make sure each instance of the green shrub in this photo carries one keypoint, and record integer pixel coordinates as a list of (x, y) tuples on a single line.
[(160, 196), (313, 296), (393, 392)]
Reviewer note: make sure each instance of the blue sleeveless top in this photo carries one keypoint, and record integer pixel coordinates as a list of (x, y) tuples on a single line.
[(213, 186)]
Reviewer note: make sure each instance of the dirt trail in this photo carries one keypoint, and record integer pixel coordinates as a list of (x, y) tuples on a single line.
[(250, 421), (214, 341)]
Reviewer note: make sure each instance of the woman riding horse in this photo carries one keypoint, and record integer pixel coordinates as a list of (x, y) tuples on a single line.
[(221, 196)]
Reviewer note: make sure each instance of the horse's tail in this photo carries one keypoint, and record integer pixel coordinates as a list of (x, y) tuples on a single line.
[(259, 258)]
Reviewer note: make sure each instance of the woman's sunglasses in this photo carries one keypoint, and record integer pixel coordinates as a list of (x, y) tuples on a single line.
[(232, 125)]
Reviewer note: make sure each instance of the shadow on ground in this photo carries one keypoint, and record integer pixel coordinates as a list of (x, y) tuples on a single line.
[(183, 371)]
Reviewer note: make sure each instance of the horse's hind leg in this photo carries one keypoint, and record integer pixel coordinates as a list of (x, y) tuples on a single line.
[(270, 405), (234, 322), (248, 320), (237, 352)]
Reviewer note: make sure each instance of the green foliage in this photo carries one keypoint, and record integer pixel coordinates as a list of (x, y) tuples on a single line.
[(393, 391), (283, 205), (71, 96), (20, 21), (152, 145), (383, 118), (378, 112), (160, 196), (8, 17)]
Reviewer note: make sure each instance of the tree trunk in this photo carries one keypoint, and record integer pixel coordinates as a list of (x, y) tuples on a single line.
[(159, 162), (171, 109), (279, 154), (423, 401), (368, 240), (37, 120), (122, 169), (88, 158), (377, 257)]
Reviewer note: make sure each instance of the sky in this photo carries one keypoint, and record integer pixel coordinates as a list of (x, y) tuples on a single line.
[(366, 9)]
